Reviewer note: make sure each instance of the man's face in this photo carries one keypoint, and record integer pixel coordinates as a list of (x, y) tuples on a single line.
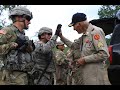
[(27, 22), (46, 36), (61, 47), (23, 22), (78, 27)]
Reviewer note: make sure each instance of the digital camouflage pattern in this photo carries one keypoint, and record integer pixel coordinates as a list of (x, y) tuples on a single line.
[(59, 43), (44, 30), (41, 58), (93, 48), (20, 11)]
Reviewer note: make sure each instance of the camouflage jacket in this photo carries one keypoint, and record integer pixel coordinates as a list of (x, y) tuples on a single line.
[(40, 56), (8, 36), (60, 57)]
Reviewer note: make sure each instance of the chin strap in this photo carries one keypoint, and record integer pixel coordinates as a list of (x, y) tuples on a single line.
[(23, 20)]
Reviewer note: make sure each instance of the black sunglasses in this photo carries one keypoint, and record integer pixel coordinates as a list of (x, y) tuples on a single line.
[(27, 17), (49, 33)]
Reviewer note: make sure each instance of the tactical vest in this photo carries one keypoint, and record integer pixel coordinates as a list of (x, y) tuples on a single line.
[(42, 60), (18, 60)]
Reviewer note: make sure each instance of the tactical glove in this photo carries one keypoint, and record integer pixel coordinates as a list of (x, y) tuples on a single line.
[(58, 30), (32, 44), (13, 45)]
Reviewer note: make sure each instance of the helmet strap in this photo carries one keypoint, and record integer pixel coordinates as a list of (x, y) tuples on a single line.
[(20, 21)]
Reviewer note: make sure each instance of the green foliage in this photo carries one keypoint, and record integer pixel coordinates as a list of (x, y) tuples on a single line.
[(2, 9), (108, 41), (9, 7), (107, 11), (66, 49)]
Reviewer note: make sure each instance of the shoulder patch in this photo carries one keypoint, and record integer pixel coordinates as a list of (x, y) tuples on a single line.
[(100, 44), (2, 32), (96, 36)]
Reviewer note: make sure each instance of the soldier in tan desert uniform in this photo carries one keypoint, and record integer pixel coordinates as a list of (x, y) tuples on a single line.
[(93, 52)]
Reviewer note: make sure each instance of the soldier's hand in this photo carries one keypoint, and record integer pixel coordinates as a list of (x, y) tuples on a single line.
[(32, 44), (70, 65), (60, 34), (80, 61), (58, 30), (14, 45)]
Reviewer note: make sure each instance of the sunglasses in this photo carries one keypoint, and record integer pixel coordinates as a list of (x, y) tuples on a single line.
[(49, 33), (28, 18)]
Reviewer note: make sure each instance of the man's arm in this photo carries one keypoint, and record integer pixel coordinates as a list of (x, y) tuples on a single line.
[(5, 45)]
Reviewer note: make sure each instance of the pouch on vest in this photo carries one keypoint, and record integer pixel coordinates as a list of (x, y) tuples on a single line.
[(18, 61)]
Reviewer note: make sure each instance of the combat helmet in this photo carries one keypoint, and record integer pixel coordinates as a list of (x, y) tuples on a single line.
[(44, 30), (20, 11), (59, 43), (118, 14)]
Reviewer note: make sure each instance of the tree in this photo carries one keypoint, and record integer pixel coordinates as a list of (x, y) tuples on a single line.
[(2, 9), (108, 11)]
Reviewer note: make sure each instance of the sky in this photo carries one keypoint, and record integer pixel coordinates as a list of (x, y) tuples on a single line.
[(52, 15)]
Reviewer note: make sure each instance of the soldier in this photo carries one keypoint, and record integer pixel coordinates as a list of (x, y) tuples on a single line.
[(43, 57), (72, 56), (61, 64), (16, 48), (93, 51)]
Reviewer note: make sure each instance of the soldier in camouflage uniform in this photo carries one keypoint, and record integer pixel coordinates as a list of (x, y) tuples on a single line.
[(61, 64), (72, 56), (43, 57), (92, 50), (15, 49)]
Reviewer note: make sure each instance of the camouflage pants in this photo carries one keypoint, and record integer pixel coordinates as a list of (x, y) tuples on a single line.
[(77, 76), (14, 78), (47, 79), (61, 76), (70, 80)]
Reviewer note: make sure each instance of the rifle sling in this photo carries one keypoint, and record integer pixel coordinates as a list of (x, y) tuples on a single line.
[(44, 71)]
